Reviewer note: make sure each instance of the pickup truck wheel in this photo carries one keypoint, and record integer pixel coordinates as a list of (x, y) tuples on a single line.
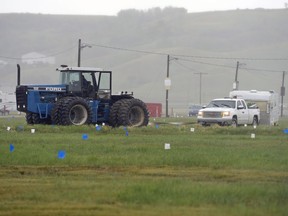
[(255, 121), (234, 122), (224, 124)]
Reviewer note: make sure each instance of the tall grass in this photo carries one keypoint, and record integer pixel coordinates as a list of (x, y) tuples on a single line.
[(206, 147), (211, 171)]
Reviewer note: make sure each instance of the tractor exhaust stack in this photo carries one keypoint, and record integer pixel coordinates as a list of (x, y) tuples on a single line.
[(18, 75)]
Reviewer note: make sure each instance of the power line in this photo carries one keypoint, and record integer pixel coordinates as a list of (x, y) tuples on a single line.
[(176, 56), (186, 67), (262, 70), (191, 56), (228, 66), (201, 57), (206, 63), (233, 58), (13, 58), (129, 50), (43, 57), (160, 53)]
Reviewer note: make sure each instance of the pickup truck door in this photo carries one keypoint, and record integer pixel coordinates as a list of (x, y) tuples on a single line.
[(242, 112)]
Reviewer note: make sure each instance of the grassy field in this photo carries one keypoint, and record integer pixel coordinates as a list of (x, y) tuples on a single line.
[(104, 171)]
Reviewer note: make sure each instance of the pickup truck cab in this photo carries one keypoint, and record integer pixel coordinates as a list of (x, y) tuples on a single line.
[(228, 111)]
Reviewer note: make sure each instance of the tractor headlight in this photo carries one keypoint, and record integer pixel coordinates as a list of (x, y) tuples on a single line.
[(200, 114), (225, 114)]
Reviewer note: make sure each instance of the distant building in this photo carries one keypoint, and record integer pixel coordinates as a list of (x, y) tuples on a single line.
[(37, 58), (3, 63)]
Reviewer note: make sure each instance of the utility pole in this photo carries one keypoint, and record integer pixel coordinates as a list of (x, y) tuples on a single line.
[(79, 52), (282, 93), (80, 47), (200, 86), (167, 84), (236, 82)]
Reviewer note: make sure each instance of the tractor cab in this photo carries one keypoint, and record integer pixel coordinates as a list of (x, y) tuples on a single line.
[(93, 83)]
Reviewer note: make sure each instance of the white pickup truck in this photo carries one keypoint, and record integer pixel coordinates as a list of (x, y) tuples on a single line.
[(228, 111)]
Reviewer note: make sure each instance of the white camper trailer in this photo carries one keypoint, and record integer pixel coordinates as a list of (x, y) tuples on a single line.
[(7, 101), (266, 101)]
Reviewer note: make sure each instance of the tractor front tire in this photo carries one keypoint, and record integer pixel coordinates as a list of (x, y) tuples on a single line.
[(55, 113), (133, 113), (29, 118), (37, 120)]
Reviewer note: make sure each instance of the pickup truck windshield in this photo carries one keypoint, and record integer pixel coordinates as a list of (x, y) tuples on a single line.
[(222, 103)]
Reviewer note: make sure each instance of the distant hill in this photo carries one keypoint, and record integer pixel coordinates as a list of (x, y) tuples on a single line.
[(135, 44)]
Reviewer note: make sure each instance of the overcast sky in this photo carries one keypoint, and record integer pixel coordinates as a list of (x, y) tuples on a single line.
[(112, 7)]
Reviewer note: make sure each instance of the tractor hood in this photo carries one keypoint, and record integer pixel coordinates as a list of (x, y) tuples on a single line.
[(28, 96), (47, 88)]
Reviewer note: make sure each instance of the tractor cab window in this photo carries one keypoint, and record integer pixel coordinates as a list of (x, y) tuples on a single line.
[(72, 79), (87, 80), (87, 77), (104, 82), (88, 85)]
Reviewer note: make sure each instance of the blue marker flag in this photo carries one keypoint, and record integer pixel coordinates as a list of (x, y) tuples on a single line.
[(285, 131), (156, 126), (12, 147), (61, 154), (20, 128), (98, 128), (85, 136), (127, 133)]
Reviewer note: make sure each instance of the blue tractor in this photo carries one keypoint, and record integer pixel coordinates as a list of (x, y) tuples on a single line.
[(84, 96)]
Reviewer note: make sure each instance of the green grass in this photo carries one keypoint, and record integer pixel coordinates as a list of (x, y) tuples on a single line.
[(213, 171)]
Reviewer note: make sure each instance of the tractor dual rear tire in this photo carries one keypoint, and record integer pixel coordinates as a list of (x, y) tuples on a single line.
[(71, 111), (114, 113), (132, 113)]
